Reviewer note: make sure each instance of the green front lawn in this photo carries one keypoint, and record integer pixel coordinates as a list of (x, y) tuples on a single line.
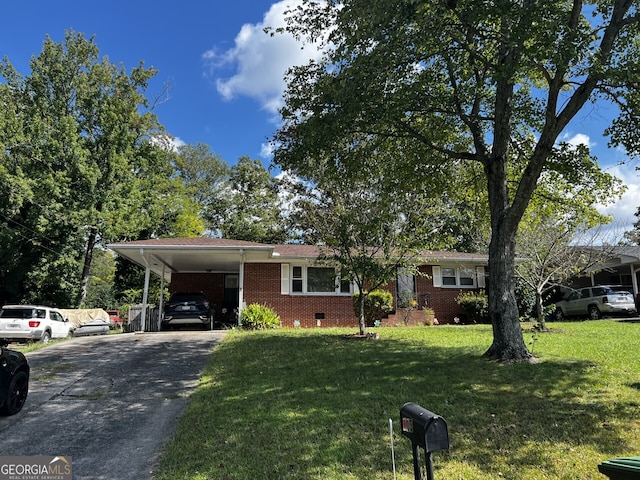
[(310, 404)]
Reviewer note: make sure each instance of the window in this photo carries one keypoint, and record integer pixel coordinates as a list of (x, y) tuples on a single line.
[(317, 280), (461, 277), (321, 279), (407, 296), (449, 277), (296, 282), (466, 277)]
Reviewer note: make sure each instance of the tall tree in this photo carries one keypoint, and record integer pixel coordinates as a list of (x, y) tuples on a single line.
[(85, 162), (248, 205), (369, 221), (495, 83), (554, 251), (560, 235), (203, 174)]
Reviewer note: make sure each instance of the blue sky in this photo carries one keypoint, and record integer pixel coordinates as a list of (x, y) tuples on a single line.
[(225, 73)]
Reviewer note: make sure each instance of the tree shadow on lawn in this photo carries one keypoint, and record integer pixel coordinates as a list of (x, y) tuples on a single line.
[(319, 407)]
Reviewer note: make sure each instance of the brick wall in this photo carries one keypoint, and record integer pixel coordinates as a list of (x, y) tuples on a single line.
[(262, 285), (441, 300), (211, 284)]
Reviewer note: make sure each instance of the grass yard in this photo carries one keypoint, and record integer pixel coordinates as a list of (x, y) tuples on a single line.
[(310, 404)]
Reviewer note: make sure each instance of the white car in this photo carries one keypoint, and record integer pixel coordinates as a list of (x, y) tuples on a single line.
[(593, 302), (28, 323)]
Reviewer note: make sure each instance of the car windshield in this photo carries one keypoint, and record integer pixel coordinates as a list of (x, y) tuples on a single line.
[(17, 313), (188, 297)]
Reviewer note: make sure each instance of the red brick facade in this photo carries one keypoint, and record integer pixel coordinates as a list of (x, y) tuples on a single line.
[(262, 284), (211, 284)]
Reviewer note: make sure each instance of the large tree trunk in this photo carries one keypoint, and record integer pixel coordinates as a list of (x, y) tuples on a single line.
[(508, 343), (362, 323), (86, 268), (542, 322)]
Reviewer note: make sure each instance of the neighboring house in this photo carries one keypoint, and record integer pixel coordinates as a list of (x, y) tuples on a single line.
[(621, 269), (288, 279)]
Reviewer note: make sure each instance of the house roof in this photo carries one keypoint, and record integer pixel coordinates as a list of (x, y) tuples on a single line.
[(620, 255), (205, 254)]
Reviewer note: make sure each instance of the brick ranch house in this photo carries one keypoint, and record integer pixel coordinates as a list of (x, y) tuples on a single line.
[(289, 279)]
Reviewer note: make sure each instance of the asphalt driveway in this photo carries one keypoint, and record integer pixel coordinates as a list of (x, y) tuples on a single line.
[(109, 402)]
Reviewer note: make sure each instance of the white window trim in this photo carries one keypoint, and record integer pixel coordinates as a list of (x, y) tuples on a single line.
[(477, 275), (286, 279)]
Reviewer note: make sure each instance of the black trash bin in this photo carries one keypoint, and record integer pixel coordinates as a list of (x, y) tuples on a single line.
[(627, 468)]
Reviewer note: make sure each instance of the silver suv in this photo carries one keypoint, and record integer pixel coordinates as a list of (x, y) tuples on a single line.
[(25, 323), (593, 302)]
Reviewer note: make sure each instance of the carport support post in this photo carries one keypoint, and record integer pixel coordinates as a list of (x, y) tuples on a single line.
[(161, 306), (634, 280), (145, 295), (241, 287)]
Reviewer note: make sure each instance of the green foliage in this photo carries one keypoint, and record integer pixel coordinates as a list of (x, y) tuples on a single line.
[(80, 166), (475, 304), (526, 298), (128, 283), (259, 317), (100, 291), (377, 303), (369, 219), (438, 85), (247, 205), (203, 175)]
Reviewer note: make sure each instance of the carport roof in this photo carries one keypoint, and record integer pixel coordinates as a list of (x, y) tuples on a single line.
[(191, 255), (206, 254)]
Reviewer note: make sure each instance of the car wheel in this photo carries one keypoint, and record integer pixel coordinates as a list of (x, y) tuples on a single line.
[(594, 313), (559, 314), (46, 337), (16, 394)]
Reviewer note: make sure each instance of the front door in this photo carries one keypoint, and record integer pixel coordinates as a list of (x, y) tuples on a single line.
[(231, 292)]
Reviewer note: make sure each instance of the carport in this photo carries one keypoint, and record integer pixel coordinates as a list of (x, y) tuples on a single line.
[(167, 256), (620, 269)]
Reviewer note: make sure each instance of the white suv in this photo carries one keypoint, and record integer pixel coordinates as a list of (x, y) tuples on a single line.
[(593, 302), (24, 323)]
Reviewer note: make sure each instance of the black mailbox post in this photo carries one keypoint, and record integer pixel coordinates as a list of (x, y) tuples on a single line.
[(426, 430)]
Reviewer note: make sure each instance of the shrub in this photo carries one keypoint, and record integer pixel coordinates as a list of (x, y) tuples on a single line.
[(259, 317), (475, 305), (430, 317), (377, 303), (526, 299)]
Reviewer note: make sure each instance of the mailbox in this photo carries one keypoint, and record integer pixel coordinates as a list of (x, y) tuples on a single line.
[(424, 428)]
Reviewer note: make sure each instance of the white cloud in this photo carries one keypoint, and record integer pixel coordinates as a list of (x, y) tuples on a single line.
[(624, 209), (266, 150), (260, 60), (578, 139)]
